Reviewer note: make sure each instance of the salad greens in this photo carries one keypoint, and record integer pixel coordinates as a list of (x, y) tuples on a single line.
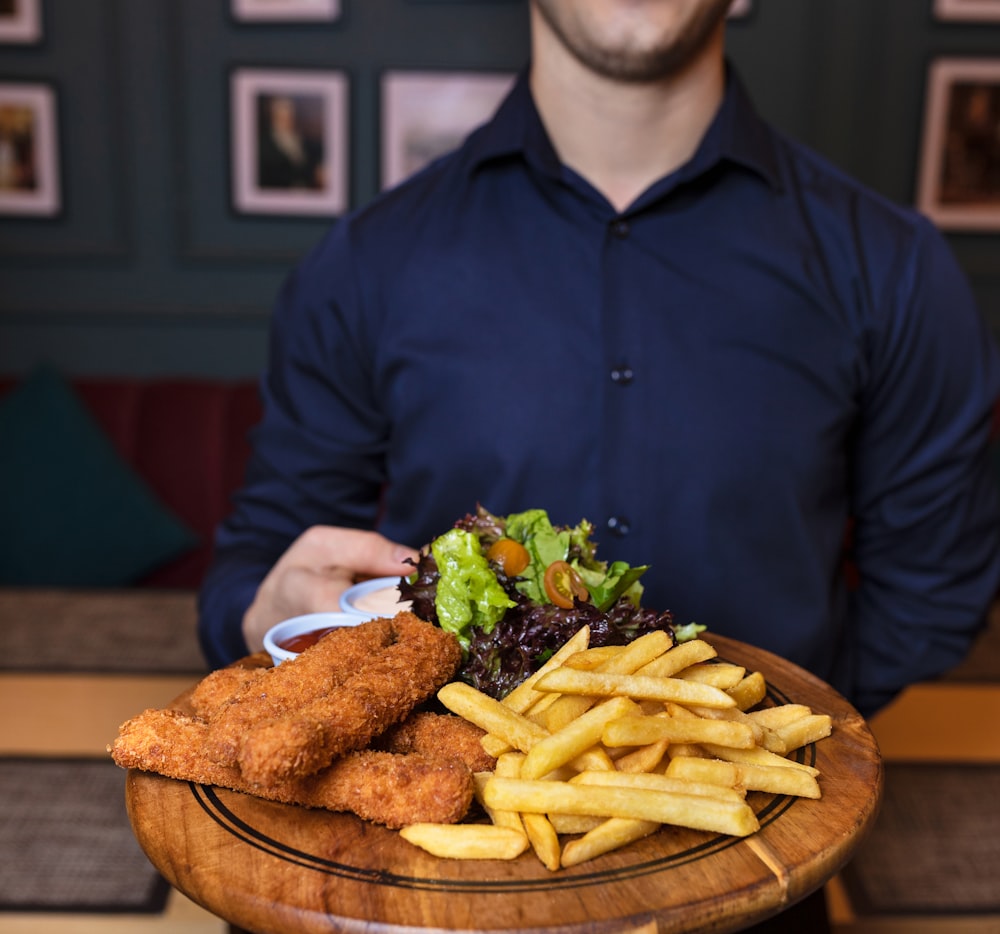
[(509, 625), (547, 544)]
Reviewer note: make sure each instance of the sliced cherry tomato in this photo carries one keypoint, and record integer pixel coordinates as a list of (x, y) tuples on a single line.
[(510, 556), (562, 584)]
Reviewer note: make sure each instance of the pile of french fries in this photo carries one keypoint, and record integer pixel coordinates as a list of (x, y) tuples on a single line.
[(603, 746)]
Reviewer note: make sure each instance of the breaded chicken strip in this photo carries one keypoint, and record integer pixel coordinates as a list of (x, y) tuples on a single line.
[(334, 659), (383, 689), (436, 734), (218, 688), (382, 787)]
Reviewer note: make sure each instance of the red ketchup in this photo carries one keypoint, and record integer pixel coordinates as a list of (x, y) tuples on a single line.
[(305, 639)]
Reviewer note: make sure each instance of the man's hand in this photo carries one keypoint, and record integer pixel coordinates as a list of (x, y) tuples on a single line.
[(315, 570)]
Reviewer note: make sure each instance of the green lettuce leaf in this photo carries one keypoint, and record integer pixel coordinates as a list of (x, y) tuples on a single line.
[(606, 586), (468, 594)]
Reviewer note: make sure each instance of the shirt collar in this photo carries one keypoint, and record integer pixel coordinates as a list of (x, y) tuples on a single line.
[(737, 135)]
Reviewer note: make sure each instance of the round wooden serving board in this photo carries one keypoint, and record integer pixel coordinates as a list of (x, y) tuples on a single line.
[(276, 868)]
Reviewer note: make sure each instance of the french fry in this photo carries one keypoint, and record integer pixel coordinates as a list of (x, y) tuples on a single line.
[(805, 730), (697, 812), (589, 659), (494, 745), (767, 778), (763, 736), (574, 823), (639, 687), (703, 771), (595, 758), (750, 691), (543, 839), (778, 781), (466, 841), (676, 750), (644, 759), (509, 764), (611, 834), (514, 730), (630, 657), (780, 715), (636, 731), (639, 652), (681, 656), (671, 783), (722, 675), (575, 738), (757, 756)]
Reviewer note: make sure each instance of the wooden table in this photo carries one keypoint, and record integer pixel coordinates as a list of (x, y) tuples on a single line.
[(275, 868)]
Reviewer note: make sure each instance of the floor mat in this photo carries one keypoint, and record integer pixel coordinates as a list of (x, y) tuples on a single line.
[(935, 847), (65, 841), (135, 631)]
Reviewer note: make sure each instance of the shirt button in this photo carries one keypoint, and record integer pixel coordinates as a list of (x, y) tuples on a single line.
[(622, 375), (620, 229), (619, 526)]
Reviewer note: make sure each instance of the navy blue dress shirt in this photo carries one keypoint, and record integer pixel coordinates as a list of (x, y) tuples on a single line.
[(756, 351)]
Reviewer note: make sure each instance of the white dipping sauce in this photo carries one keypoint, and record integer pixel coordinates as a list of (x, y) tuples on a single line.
[(384, 602)]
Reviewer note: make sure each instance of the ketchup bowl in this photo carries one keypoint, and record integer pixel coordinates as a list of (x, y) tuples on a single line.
[(286, 639)]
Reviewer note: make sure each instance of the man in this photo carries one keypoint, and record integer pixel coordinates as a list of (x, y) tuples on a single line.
[(628, 299)]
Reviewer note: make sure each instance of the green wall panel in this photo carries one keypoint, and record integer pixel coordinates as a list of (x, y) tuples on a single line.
[(149, 269)]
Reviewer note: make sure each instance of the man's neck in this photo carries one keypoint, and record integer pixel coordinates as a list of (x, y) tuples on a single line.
[(622, 137)]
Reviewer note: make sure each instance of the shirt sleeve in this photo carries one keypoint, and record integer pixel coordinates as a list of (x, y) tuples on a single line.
[(318, 452), (927, 533)]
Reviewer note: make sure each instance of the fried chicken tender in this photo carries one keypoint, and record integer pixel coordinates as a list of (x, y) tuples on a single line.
[(298, 733), (218, 688), (279, 691), (386, 788), (385, 688), (436, 734)]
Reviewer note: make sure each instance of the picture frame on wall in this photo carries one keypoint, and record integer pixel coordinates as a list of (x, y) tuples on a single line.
[(29, 151), (290, 11), (20, 21), (289, 141), (959, 177), (426, 114), (982, 10)]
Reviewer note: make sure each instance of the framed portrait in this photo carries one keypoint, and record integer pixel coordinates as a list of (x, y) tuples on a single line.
[(959, 177), (985, 10), (29, 150), (289, 140), (288, 11), (426, 114), (20, 21)]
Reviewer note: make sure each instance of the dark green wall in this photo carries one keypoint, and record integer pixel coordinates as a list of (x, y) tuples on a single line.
[(148, 270)]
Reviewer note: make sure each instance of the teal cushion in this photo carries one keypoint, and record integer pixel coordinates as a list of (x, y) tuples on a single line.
[(72, 512)]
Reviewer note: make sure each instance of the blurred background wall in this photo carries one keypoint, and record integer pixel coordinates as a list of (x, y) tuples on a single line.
[(147, 268)]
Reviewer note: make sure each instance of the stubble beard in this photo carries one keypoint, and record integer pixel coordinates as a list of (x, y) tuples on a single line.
[(636, 64)]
